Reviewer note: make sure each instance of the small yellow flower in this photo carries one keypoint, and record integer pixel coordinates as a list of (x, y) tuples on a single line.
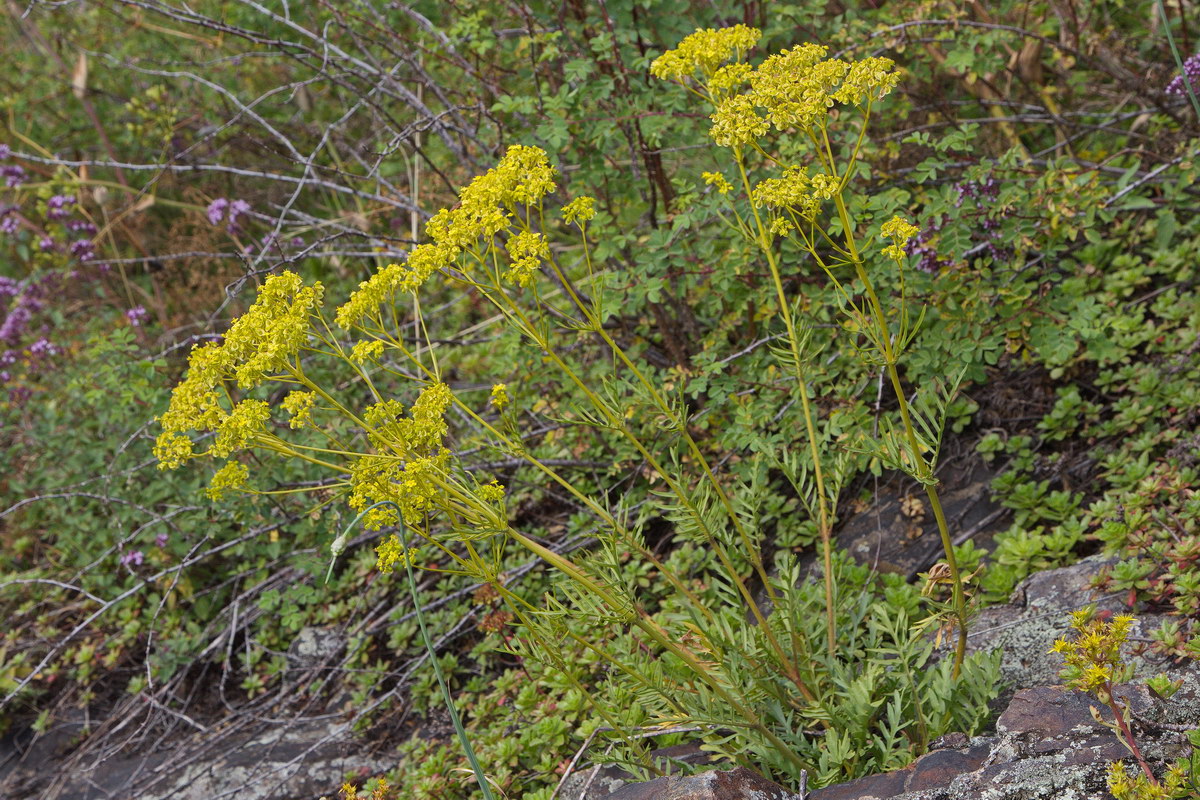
[(718, 180), (492, 492), (247, 419), (781, 226), (366, 351), (299, 406), (581, 209), (392, 554), (527, 250), (172, 449), (499, 397), (729, 78), (899, 230), (703, 51), (736, 122), (228, 478)]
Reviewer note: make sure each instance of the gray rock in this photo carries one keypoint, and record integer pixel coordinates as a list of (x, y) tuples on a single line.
[(1048, 745), (1026, 627), (735, 784)]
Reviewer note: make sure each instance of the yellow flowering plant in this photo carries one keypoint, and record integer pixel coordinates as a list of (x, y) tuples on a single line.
[(398, 465), (409, 476), (805, 100), (1093, 665)]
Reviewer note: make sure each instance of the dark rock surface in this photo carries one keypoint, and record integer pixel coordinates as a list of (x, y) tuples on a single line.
[(735, 784)]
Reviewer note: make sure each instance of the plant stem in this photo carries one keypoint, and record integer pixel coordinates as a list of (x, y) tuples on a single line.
[(918, 463), (785, 311), (1127, 735)]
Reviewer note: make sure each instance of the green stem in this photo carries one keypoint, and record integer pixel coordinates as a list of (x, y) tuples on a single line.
[(484, 786), (785, 311), (917, 461)]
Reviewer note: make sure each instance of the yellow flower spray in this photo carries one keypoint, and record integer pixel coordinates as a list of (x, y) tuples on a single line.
[(795, 93)]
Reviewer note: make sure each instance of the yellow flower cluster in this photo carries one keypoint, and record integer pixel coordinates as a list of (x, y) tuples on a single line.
[(423, 260), (260, 342), (792, 191), (413, 485), (1175, 784), (703, 51), (366, 351), (409, 473), (228, 478), (499, 397), (728, 79), (235, 431), (265, 338), (1093, 657), (718, 180), (899, 230), (736, 123), (792, 90), (527, 250), (299, 406), (523, 177), (383, 420), (172, 449), (492, 492), (392, 554), (797, 87), (581, 209)]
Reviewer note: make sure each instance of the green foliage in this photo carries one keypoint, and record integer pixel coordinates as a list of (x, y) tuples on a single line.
[(1048, 239)]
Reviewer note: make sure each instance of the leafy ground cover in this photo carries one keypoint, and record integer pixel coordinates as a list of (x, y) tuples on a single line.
[(154, 184)]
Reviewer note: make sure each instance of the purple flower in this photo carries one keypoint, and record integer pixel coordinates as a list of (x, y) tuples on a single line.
[(83, 249), (136, 316), (1191, 71), (216, 210), (8, 287), (161, 540), (236, 209), (14, 324), (43, 348), (59, 206), (13, 175), (81, 226), (5, 152), (134, 557), (8, 225), (46, 244)]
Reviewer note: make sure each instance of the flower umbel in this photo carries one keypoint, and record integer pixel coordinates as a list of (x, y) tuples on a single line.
[(228, 478), (899, 230), (581, 209), (392, 554), (703, 51)]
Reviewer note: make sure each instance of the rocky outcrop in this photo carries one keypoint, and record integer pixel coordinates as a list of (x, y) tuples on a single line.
[(1047, 744)]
